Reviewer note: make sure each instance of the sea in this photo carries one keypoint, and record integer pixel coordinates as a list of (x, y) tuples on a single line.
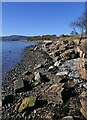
[(11, 52)]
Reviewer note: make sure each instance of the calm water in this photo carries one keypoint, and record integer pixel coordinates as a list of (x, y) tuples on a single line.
[(12, 53)]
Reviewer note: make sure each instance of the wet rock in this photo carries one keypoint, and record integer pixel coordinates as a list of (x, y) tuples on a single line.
[(27, 102), (84, 107), (19, 86), (68, 118)]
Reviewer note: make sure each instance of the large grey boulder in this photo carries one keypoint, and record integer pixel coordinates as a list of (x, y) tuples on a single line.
[(19, 86)]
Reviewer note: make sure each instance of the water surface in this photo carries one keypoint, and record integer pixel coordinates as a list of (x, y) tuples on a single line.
[(12, 53)]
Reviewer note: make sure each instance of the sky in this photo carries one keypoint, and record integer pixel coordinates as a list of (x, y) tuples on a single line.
[(39, 18)]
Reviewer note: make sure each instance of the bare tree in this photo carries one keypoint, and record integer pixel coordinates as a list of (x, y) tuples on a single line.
[(81, 24), (73, 27)]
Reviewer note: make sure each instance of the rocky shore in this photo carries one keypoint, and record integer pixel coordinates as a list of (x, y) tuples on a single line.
[(49, 83)]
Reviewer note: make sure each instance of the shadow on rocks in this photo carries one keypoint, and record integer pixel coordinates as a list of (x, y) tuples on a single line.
[(28, 86), (67, 93)]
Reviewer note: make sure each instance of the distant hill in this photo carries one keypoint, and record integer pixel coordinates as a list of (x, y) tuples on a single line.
[(13, 38)]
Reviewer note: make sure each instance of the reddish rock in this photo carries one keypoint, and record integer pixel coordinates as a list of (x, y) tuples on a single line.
[(84, 107)]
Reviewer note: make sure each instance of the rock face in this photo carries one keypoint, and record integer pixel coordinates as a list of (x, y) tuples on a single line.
[(50, 83)]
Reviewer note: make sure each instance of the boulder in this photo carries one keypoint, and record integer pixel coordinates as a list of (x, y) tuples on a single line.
[(19, 86), (53, 93), (83, 110), (27, 102), (68, 54)]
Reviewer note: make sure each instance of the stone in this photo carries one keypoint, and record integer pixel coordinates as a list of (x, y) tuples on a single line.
[(68, 54), (62, 73), (19, 86), (47, 115), (50, 68), (84, 94), (57, 63), (27, 102), (37, 66), (37, 76), (57, 79), (83, 110), (68, 118), (53, 93), (85, 85), (35, 48)]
